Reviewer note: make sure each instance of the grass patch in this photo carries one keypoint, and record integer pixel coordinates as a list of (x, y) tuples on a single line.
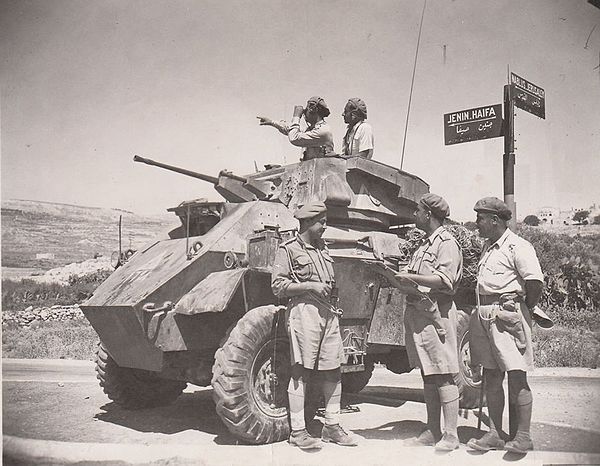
[(73, 339), (565, 347), (19, 295)]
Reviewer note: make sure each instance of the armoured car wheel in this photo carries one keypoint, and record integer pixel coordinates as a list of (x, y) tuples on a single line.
[(134, 388), (250, 377), (354, 382), (468, 382)]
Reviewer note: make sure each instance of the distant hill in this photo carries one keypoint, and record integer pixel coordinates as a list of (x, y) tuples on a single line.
[(47, 235)]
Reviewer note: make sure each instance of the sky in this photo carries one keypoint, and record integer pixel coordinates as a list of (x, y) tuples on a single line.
[(86, 85)]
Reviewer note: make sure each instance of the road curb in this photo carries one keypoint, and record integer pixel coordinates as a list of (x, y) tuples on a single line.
[(34, 451), (31, 451)]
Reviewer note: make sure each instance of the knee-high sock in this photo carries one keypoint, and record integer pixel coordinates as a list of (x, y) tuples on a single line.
[(495, 399), (449, 400), (296, 397), (332, 392), (433, 405), (524, 408), (513, 417)]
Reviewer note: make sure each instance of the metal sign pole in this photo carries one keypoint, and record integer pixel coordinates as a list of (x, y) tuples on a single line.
[(508, 166)]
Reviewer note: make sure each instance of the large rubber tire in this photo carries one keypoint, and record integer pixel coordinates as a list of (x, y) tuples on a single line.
[(468, 385), (354, 382), (250, 377), (134, 388)]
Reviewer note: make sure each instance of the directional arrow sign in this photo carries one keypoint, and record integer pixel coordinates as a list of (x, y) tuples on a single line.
[(473, 124), (528, 96)]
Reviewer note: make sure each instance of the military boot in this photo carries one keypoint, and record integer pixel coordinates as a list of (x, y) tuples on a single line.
[(522, 443), (303, 440), (449, 442), (490, 441), (336, 434), (425, 439)]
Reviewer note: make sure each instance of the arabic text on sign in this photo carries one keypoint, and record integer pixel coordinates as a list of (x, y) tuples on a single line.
[(527, 86)]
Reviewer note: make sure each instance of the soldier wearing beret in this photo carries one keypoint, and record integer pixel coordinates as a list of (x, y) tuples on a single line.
[(317, 139), (436, 267), (303, 272), (509, 286), (358, 140)]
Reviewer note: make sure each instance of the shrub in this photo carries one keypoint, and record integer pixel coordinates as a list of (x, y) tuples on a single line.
[(581, 216), (531, 220)]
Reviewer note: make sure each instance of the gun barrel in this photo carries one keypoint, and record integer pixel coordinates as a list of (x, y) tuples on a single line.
[(183, 171), (232, 176)]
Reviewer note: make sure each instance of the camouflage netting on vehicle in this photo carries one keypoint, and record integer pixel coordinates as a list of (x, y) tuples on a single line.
[(471, 245)]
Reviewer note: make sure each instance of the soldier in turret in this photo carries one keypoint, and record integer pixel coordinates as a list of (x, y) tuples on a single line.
[(317, 139), (358, 140), (303, 272)]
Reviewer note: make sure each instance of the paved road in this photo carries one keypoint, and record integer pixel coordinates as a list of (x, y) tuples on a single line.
[(60, 401)]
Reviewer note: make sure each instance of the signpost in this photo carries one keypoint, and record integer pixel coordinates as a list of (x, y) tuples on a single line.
[(527, 96), (473, 124), (486, 122)]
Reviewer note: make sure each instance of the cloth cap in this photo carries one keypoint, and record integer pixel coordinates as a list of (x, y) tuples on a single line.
[(436, 204), (319, 103), (493, 205), (310, 210), (359, 104)]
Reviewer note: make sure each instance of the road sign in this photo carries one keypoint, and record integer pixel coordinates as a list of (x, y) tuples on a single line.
[(528, 96), (473, 124)]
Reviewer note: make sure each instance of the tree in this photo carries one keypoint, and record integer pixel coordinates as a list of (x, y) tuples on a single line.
[(581, 216), (531, 220)]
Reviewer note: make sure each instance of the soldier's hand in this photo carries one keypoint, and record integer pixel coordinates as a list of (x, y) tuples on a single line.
[(264, 121), (323, 290), (298, 111)]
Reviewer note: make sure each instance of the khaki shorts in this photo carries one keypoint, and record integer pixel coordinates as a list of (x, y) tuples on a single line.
[(426, 349), (307, 323), (493, 346)]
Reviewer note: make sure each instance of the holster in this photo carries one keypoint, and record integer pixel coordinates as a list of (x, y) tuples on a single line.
[(509, 319)]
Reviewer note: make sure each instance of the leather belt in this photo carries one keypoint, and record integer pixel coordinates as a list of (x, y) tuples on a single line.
[(487, 299)]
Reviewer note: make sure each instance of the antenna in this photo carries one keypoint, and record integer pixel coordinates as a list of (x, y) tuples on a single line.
[(120, 248), (412, 84)]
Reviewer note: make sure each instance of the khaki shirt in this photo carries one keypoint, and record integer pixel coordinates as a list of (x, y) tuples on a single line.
[(317, 139), (439, 254), (506, 265), (358, 139), (297, 261)]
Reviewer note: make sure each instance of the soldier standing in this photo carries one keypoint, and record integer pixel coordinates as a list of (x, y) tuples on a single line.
[(358, 140), (303, 272), (317, 139), (500, 334), (436, 265)]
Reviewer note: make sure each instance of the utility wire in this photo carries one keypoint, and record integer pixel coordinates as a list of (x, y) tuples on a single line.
[(412, 84)]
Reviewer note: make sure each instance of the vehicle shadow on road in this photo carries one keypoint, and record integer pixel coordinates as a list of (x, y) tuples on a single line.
[(191, 411), (385, 396)]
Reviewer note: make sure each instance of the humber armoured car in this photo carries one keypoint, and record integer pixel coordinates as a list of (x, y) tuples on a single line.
[(196, 305)]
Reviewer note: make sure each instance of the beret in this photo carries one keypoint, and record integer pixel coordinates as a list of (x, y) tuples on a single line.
[(436, 204), (310, 210), (359, 104), (318, 102), (493, 205)]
